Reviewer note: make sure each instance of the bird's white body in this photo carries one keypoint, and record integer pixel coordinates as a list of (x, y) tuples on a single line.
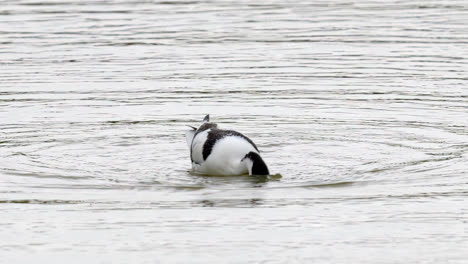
[(224, 154), (226, 158)]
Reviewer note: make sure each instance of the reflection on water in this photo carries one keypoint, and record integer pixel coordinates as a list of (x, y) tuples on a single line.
[(359, 110)]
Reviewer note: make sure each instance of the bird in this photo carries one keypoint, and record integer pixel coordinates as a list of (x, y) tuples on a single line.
[(215, 151)]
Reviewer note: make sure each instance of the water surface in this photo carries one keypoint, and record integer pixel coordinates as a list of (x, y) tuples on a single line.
[(361, 107)]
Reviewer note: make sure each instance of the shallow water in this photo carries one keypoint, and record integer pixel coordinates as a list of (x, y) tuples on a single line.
[(361, 107)]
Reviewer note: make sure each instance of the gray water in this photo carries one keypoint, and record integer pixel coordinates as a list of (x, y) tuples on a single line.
[(361, 107)]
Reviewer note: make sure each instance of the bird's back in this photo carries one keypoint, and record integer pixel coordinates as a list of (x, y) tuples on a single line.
[(220, 152)]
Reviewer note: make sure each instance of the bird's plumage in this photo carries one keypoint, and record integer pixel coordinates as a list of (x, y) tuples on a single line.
[(215, 151)]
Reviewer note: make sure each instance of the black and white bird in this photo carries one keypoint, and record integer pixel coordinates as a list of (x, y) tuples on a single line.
[(214, 151)]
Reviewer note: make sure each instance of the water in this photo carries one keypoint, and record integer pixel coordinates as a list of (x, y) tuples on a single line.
[(360, 106)]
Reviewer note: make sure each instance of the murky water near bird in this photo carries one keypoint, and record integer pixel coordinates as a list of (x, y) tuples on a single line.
[(361, 107)]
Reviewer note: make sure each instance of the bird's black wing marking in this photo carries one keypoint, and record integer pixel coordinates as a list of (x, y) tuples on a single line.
[(216, 134)]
